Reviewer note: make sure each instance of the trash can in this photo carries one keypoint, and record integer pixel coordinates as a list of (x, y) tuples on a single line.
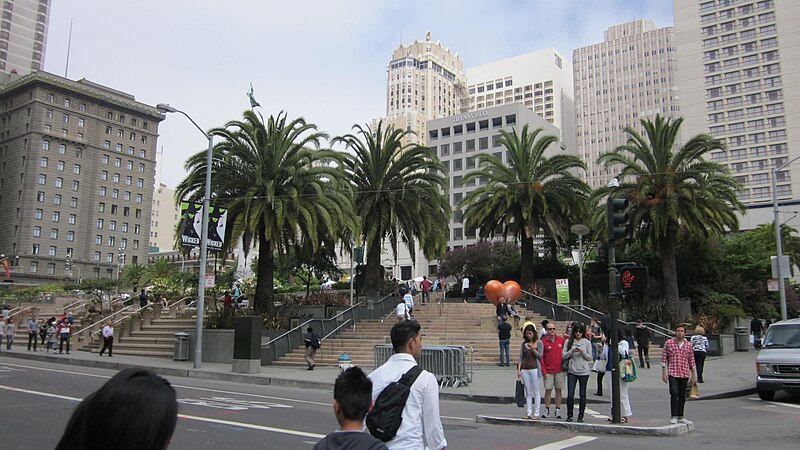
[(181, 347), (742, 339)]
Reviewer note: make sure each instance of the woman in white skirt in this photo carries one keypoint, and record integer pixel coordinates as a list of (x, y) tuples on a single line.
[(623, 349), (528, 371)]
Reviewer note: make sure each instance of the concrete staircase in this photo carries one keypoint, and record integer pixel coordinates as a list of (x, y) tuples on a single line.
[(472, 324), (143, 336)]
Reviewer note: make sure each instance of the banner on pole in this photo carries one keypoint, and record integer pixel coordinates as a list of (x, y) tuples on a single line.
[(191, 225), (562, 290)]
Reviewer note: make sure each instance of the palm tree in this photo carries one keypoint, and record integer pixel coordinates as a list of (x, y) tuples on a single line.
[(400, 195), (670, 188), (530, 194), (278, 185)]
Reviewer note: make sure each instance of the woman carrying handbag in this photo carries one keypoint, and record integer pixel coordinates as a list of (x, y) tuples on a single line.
[(528, 371), (623, 350)]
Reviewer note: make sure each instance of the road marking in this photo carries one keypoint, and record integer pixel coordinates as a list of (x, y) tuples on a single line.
[(231, 404), (184, 416), (59, 370), (9, 369), (466, 419), (566, 443), (785, 404)]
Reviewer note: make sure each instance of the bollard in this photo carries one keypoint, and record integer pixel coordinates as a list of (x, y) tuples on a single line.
[(147, 317), (126, 329), (136, 323), (157, 311)]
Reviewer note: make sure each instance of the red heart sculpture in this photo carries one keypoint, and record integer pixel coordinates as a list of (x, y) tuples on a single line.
[(494, 289)]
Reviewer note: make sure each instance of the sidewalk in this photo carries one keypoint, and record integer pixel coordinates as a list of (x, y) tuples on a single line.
[(725, 377)]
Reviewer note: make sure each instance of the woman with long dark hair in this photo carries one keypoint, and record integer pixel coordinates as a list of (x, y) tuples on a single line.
[(528, 370), (578, 351), (135, 410)]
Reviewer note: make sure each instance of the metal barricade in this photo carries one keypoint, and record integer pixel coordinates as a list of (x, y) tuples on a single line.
[(451, 365)]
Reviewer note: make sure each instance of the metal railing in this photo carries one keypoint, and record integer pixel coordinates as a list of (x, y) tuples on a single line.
[(102, 320), (72, 305), (452, 365)]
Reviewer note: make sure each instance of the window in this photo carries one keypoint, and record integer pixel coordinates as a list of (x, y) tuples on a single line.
[(40, 196), (138, 214), (117, 162), (100, 223), (104, 175), (42, 179), (75, 185), (45, 145), (81, 122), (37, 231), (76, 169), (97, 257), (102, 191), (107, 146), (38, 214), (57, 199), (98, 240), (56, 216), (113, 209), (136, 245), (115, 178), (59, 182), (35, 264), (73, 202), (54, 234), (120, 133), (118, 148), (70, 236), (43, 163), (35, 249), (66, 102), (128, 180), (136, 228), (72, 219), (112, 225), (115, 193), (124, 227), (105, 159), (138, 198), (111, 241), (109, 257)]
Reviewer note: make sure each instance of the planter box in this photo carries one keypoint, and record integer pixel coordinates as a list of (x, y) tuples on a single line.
[(720, 344), (217, 346)]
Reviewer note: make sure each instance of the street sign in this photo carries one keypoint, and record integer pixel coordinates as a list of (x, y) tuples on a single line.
[(562, 290), (785, 266), (210, 279), (772, 285)]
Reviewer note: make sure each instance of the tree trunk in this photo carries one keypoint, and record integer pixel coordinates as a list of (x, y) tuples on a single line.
[(373, 278), (669, 275), (264, 298), (526, 262)]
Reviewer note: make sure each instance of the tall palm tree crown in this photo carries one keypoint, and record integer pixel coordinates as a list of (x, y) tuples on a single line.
[(400, 195), (278, 185), (530, 194), (669, 188)]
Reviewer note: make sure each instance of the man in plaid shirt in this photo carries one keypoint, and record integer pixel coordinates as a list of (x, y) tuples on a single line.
[(677, 367)]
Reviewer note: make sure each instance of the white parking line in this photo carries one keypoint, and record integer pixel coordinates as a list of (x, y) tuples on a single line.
[(187, 417), (566, 443), (785, 404)]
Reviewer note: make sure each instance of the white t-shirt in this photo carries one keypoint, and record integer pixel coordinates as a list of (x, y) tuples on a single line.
[(409, 300), (465, 284), (401, 309)]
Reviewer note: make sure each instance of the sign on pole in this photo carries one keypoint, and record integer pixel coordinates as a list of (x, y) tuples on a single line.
[(210, 280), (191, 225), (772, 285), (562, 290)]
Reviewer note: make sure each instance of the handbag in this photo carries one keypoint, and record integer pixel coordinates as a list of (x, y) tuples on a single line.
[(627, 370), (599, 366), (519, 394), (694, 391)]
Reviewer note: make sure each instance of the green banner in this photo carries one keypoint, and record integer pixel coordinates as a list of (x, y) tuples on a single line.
[(562, 290)]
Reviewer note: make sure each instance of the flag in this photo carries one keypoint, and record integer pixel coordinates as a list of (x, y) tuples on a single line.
[(7, 269)]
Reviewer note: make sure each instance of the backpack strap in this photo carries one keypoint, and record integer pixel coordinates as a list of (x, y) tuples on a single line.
[(410, 377)]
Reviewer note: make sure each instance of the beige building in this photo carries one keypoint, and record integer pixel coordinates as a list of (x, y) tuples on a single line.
[(736, 60), (23, 35), (77, 163), (540, 80), (627, 77), (164, 219)]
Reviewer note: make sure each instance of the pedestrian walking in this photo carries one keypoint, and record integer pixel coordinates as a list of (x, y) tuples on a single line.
[(42, 333), (425, 286), (578, 352), (623, 350), (33, 333), (504, 336), (64, 333), (2, 329), (554, 377), (678, 371), (408, 298), (143, 300), (756, 328), (643, 335), (11, 331), (464, 288), (401, 310), (51, 336), (312, 345), (595, 334), (352, 399), (528, 371), (421, 424), (108, 339), (601, 366), (700, 348)]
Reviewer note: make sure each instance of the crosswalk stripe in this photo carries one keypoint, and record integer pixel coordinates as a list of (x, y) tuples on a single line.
[(566, 443)]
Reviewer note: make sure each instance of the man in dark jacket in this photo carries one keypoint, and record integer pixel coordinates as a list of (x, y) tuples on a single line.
[(312, 345), (642, 336), (756, 328), (504, 335), (352, 398)]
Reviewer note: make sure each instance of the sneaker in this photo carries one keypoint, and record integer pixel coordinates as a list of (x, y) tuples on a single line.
[(683, 420), (569, 418), (558, 413), (546, 413), (674, 420)]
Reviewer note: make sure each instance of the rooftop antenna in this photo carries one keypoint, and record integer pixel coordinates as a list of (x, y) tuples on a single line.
[(69, 44)]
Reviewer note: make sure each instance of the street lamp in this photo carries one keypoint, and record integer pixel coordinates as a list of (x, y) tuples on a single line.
[(201, 284), (581, 230), (779, 244), (121, 251)]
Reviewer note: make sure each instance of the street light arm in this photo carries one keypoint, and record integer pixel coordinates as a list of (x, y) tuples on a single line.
[(166, 108)]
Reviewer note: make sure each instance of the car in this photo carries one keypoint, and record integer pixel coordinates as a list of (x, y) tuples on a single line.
[(778, 361)]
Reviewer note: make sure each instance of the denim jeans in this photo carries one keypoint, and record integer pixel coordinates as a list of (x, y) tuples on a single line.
[(581, 380), (504, 351)]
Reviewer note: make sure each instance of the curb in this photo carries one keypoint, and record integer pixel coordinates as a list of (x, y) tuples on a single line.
[(499, 399), (628, 430)]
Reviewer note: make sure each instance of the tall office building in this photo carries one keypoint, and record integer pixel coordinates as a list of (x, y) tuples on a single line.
[(627, 77), (77, 164), (734, 59), (540, 80), (23, 35), (164, 219), (424, 81)]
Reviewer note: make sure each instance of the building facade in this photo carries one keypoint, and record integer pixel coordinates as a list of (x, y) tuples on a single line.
[(164, 219), (23, 35), (735, 59), (77, 165), (540, 80), (627, 77)]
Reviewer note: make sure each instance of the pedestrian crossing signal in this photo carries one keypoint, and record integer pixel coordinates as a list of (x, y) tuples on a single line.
[(632, 279)]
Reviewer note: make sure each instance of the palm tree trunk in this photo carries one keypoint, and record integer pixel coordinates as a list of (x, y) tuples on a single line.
[(266, 270), (669, 275), (526, 261), (373, 278)]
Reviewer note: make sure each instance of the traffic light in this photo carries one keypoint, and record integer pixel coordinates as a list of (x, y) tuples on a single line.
[(359, 253), (618, 221), (632, 279)]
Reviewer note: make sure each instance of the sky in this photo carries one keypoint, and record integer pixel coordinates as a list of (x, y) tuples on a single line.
[(324, 61)]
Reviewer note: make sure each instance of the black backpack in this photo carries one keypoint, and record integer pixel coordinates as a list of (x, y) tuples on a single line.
[(386, 416)]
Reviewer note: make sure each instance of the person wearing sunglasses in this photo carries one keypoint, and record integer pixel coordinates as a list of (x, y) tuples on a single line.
[(552, 346)]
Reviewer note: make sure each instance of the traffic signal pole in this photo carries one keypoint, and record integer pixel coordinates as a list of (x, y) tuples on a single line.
[(617, 229)]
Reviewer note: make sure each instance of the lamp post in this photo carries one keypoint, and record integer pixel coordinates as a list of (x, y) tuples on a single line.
[(201, 284), (779, 244), (581, 230), (352, 256), (121, 252)]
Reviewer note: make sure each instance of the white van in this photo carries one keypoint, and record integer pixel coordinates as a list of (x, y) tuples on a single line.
[(778, 361)]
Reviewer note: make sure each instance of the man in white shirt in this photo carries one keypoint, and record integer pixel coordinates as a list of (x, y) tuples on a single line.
[(464, 288), (108, 339), (401, 311), (421, 426), (409, 301)]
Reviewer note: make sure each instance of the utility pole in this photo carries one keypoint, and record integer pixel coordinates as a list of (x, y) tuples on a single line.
[(617, 229)]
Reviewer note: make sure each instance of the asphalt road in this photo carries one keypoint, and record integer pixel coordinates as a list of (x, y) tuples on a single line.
[(36, 400)]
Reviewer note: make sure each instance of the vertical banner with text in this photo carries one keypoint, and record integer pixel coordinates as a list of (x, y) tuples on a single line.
[(562, 290), (191, 225)]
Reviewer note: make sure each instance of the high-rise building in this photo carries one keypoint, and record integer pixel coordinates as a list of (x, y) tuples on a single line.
[(734, 59), (23, 35), (77, 164), (627, 77), (164, 219), (540, 80)]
